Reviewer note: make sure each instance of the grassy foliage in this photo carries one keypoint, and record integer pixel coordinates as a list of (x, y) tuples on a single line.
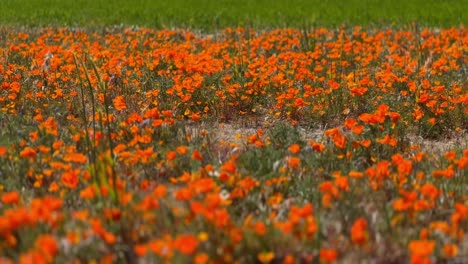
[(212, 14)]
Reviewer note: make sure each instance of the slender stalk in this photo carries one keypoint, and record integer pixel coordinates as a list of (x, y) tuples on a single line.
[(104, 88), (90, 148)]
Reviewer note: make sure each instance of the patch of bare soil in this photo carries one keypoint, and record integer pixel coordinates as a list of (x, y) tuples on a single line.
[(440, 146)]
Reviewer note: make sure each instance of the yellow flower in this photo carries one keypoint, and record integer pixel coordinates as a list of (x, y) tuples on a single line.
[(202, 236), (266, 257)]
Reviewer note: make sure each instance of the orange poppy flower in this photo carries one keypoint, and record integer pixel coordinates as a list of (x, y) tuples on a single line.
[(201, 258), (119, 103), (196, 155), (355, 174), (293, 162), (140, 249), (229, 167), (28, 152), (47, 245), (328, 255), (338, 138), (342, 183), (294, 148), (359, 91), (430, 191), (359, 234), (450, 250), (171, 155), (75, 157), (70, 179), (3, 151), (317, 146), (182, 150), (10, 198), (421, 248), (357, 129), (186, 244), (88, 192)]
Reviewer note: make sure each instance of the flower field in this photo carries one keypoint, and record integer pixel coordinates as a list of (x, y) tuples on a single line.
[(344, 145)]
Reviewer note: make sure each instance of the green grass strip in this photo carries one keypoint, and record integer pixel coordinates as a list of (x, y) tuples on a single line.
[(214, 14)]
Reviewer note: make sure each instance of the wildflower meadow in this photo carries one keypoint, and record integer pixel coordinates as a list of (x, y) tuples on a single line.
[(342, 144)]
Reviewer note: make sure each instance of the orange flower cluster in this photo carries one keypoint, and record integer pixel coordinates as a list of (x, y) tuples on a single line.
[(281, 146)]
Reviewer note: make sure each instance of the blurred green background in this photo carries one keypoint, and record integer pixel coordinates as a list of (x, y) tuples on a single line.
[(213, 14)]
